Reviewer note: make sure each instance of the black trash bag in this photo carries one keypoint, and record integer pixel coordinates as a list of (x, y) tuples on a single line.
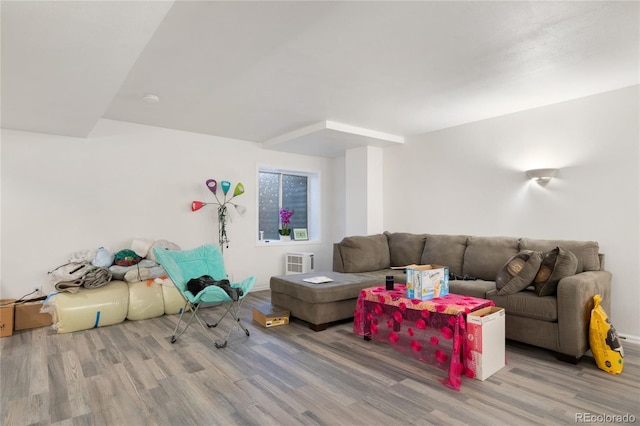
[(196, 285)]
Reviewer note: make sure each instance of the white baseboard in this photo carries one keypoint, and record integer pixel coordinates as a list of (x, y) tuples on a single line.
[(258, 287), (627, 338)]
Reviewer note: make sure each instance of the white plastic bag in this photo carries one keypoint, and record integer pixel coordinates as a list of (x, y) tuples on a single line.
[(103, 259)]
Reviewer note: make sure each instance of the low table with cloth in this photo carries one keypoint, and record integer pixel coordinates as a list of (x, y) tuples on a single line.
[(432, 331)]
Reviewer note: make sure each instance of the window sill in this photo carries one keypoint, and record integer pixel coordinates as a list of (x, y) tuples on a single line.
[(280, 243)]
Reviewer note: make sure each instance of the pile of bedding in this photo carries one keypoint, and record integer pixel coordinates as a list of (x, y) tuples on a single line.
[(95, 268), (96, 288)]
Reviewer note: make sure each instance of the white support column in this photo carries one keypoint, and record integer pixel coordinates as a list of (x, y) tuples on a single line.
[(364, 179)]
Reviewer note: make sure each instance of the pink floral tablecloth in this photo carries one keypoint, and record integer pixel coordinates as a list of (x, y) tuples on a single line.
[(432, 331)]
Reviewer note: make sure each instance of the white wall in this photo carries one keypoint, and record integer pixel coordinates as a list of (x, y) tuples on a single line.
[(126, 181), (470, 180), (363, 183)]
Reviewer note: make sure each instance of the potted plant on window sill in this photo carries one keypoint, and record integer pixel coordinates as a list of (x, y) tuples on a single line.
[(285, 220)]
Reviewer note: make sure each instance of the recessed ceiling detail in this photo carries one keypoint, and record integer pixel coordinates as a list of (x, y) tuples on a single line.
[(329, 139)]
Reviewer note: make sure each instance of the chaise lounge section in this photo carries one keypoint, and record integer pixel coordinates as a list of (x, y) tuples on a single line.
[(319, 304)]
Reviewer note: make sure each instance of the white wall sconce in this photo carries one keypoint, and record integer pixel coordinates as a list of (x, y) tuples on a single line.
[(542, 176)]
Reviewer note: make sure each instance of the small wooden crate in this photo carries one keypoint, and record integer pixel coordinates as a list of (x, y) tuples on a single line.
[(270, 316)]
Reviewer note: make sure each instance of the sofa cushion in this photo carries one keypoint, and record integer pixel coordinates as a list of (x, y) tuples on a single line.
[(519, 272), (485, 256), (527, 304), (365, 253), (445, 250), (473, 288), (556, 264), (585, 251), (404, 248), (343, 287)]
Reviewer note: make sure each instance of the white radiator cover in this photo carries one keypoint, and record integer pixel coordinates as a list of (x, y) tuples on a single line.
[(298, 263)]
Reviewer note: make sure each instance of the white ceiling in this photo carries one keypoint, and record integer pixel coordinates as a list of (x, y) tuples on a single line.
[(259, 71)]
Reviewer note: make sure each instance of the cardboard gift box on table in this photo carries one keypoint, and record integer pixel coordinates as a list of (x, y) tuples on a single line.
[(485, 341), (28, 315), (426, 282), (270, 316)]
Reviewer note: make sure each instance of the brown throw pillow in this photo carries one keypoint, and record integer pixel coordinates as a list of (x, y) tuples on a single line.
[(518, 273), (556, 264)]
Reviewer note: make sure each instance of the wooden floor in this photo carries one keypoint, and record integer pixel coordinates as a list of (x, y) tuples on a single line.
[(130, 374)]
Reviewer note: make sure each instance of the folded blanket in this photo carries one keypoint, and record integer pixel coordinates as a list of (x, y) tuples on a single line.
[(142, 274), (69, 286), (94, 278), (119, 271)]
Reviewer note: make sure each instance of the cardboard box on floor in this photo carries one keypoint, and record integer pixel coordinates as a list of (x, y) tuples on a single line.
[(270, 316), (485, 339), (426, 282), (27, 315), (6, 317)]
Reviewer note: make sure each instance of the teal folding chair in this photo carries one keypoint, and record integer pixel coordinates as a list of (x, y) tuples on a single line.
[(183, 265)]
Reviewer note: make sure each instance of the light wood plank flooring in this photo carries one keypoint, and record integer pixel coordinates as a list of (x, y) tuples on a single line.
[(130, 374)]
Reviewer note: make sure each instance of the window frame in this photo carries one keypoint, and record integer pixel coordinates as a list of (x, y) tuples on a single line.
[(313, 204)]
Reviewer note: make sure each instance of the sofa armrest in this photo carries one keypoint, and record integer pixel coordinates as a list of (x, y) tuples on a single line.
[(338, 265), (575, 302)]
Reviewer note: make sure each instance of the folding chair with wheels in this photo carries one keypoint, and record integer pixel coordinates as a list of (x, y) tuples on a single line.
[(182, 266)]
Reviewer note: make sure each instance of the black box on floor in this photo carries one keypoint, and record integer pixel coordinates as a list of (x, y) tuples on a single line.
[(270, 316)]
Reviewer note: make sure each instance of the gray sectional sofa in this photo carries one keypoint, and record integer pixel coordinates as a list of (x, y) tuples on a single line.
[(556, 318)]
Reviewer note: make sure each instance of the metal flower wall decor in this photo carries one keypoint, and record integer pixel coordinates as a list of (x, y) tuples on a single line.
[(212, 185)]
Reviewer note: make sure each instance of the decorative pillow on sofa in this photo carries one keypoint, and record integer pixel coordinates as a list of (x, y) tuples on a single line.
[(556, 264), (518, 273)]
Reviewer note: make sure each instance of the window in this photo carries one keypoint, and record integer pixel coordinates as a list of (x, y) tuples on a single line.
[(284, 189)]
